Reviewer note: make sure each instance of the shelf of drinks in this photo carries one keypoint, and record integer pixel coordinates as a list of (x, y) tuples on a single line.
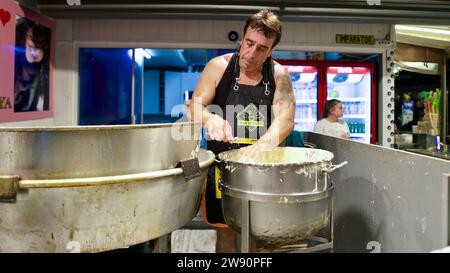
[(349, 99), (305, 120), (300, 101), (354, 116)]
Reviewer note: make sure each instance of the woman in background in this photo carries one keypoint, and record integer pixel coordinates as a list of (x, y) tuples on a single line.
[(330, 123)]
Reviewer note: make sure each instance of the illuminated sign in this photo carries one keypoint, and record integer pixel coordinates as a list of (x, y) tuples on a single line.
[(347, 70), (355, 39)]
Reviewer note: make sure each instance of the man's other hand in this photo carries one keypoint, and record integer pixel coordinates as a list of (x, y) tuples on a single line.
[(219, 129)]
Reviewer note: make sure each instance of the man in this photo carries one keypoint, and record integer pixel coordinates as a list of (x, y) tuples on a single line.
[(254, 104)]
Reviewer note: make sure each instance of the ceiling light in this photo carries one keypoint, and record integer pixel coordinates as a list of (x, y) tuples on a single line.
[(148, 54), (423, 29)]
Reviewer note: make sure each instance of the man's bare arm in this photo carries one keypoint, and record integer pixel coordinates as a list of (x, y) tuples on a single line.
[(203, 95), (283, 108), (218, 128)]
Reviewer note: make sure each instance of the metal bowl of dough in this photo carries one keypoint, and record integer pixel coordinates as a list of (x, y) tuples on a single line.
[(288, 190)]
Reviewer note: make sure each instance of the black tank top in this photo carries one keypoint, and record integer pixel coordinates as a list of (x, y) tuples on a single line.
[(253, 104)]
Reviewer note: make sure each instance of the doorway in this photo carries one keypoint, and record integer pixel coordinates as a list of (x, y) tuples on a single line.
[(138, 85)]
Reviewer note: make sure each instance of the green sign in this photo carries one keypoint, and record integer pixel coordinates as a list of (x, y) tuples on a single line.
[(355, 39)]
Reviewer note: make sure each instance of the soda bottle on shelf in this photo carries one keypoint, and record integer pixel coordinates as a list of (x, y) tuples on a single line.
[(314, 94), (352, 108), (297, 111), (346, 108)]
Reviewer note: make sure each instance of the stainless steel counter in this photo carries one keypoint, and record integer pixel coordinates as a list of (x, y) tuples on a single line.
[(439, 154), (387, 200)]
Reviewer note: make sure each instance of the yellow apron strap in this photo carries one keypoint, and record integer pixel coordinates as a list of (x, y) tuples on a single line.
[(217, 178), (244, 141)]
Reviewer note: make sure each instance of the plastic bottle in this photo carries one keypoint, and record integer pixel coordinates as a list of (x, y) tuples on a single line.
[(352, 108), (297, 111), (361, 108)]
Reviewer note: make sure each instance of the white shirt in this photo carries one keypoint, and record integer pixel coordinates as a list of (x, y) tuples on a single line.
[(326, 127)]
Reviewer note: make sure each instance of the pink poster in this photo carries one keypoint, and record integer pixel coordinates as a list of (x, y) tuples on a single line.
[(27, 42)]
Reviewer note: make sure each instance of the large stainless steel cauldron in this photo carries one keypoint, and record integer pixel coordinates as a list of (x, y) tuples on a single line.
[(87, 151), (288, 189), (95, 188)]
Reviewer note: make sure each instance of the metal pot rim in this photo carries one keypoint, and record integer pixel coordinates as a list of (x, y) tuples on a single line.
[(287, 164), (94, 127)]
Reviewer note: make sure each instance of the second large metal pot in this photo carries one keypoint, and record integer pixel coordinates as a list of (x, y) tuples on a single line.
[(288, 189)]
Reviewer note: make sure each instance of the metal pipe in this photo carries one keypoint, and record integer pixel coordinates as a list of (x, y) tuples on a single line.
[(106, 180), (96, 181), (410, 11), (245, 234), (142, 94), (444, 100), (133, 63), (161, 6)]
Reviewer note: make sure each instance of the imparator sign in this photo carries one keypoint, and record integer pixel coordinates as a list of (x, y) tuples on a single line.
[(355, 39)]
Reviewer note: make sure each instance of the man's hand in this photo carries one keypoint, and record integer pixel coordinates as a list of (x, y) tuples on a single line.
[(219, 129), (252, 153)]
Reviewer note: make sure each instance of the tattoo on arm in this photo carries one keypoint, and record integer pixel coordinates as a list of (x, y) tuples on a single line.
[(285, 91)]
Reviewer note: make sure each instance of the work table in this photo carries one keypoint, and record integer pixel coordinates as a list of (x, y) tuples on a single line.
[(434, 153)]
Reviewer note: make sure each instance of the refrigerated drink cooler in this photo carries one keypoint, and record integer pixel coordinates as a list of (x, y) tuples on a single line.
[(353, 83), (304, 85)]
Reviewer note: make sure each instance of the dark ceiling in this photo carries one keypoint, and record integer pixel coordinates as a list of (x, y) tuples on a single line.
[(358, 11)]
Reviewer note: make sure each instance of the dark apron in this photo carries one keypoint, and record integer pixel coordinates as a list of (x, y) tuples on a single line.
[(250, 120)]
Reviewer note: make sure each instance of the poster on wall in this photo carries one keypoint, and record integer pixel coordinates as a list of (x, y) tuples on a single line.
[(27, 42)]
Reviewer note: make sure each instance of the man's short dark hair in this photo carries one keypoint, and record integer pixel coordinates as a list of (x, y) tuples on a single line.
[(266, 22)]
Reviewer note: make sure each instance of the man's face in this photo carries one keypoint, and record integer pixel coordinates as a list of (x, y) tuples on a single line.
[(33, 54), (255, 49)]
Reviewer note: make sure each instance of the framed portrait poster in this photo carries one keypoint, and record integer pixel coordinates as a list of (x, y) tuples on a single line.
[(27, 41)]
